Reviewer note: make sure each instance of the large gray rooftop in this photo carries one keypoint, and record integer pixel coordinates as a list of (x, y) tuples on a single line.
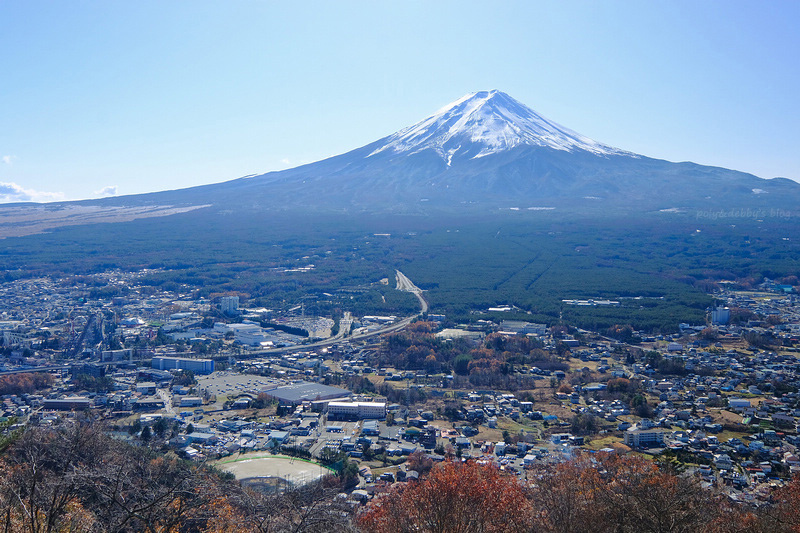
[(306, 391)]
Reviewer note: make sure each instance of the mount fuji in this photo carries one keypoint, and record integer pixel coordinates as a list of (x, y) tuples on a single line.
[(487, 151), (482, 153)]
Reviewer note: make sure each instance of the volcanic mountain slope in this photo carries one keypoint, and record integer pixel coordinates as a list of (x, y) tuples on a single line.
[(487, 151), (483, 152)]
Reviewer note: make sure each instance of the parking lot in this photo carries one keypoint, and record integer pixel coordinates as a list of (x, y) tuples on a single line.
[(233, 384)]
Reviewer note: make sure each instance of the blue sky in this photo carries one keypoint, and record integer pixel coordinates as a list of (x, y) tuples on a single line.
[(119, 97)]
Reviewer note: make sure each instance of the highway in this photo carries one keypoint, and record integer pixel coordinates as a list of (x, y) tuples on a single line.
[(60, 368), (55, 368), (403, 284)]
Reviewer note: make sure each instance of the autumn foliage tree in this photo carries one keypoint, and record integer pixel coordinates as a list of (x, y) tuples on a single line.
[(454, 498), (621, 332), (24, 382), (622, 385), (419, 462), (565, 498), (638, 496), (784, 514), (610, 493), (76, 478), (53, 478), (593, 493)]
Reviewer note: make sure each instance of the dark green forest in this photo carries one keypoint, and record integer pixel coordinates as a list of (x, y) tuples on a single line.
[(663, 267)]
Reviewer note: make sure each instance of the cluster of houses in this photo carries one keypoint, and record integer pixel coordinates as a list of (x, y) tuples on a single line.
[(230, 436), (43, 319), (754, 386)]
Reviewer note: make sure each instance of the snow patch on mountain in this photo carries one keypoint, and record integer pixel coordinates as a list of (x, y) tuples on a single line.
[(485, 123)]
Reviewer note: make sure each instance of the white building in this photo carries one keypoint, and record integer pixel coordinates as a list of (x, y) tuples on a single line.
[(146, 387), (642, 438), (738, 404), (519, 326), (191, 401), (198, 366), (720, 315), (359, 410), (229, 305), (246, 332)]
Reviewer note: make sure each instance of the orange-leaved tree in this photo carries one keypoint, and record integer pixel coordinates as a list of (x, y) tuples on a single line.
[(566, 497), (617, 494), (454, 498), (784, 513)]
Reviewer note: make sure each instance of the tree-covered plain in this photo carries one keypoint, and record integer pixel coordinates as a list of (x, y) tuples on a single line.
[(660, 267)]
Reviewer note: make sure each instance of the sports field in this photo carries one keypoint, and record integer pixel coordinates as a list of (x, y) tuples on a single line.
[(260, 467)]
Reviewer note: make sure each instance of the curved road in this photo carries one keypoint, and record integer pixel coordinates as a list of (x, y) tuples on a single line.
[(403, 284)]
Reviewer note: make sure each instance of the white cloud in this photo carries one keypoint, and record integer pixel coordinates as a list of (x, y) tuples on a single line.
[(11, 192), (7, 159), (108, 190), (285, 161)]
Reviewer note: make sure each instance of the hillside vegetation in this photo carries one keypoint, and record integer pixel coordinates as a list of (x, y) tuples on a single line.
[(77, 479)]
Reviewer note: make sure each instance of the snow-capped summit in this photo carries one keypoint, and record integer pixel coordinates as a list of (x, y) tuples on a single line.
[(484, 123)]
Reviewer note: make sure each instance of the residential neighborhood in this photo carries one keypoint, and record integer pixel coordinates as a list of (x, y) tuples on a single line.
[(213, 380)]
